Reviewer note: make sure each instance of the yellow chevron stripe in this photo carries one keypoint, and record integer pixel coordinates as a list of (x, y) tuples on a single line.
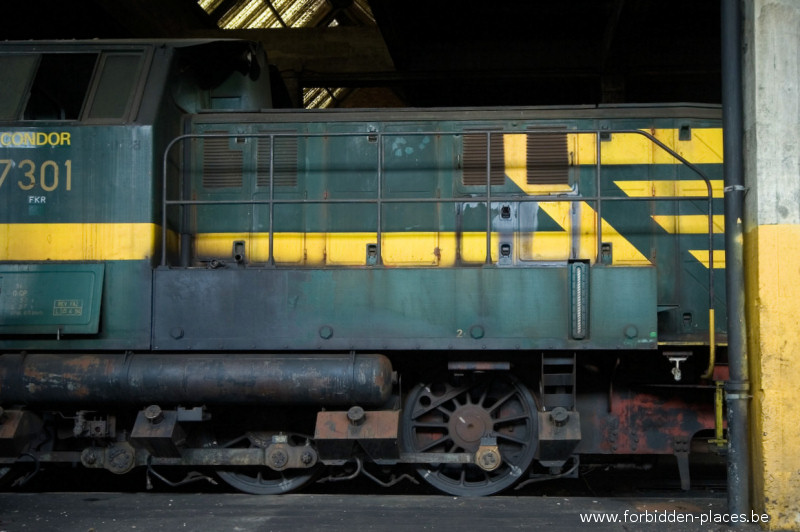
[(115, 241), (689, 224), (624, 253), (702, 256), (686, 223), (515, 156), (670, 187)]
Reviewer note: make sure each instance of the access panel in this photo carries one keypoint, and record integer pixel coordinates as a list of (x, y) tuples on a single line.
[(50, 298)]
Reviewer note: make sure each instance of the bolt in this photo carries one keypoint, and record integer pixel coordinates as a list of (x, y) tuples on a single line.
[(279, 458), (153, 414), (559, 416), (120, 460), (306, 457), (489, 459), (356, 415), (326, 332)]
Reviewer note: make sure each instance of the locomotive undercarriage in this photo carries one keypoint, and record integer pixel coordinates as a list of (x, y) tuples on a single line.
[(476, 430)]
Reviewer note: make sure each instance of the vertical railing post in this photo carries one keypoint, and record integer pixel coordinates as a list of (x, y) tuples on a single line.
[(379, 244), (488, 197), (271, 259), (598, 195), (164, 205)]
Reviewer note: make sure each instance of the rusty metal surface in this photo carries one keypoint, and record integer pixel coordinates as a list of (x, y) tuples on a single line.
[(376, 432), (559, 434), (16, 428), (377, 424), (158, 431), (643, 423)]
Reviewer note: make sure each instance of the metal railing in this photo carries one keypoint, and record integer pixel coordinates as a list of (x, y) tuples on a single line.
[(379, 201)]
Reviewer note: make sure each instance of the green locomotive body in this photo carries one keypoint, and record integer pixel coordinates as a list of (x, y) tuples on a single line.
[(195, 268)]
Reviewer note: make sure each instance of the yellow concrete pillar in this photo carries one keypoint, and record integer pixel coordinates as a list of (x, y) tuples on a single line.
[(772, 253)]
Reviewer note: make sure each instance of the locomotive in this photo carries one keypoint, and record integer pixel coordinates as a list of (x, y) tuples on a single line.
[(191, 278)]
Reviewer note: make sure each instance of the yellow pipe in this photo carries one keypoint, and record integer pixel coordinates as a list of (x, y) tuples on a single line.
[(712, 347), (719, 435)]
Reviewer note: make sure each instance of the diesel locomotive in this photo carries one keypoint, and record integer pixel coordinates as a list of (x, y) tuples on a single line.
[(193, 279)]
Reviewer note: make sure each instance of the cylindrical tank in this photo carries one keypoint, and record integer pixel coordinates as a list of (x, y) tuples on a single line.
[(195, 379)]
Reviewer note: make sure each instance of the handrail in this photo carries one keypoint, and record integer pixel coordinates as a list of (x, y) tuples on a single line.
[(488, 197)]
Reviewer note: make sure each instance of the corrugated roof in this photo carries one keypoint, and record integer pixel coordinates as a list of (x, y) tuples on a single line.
[(263, 14)]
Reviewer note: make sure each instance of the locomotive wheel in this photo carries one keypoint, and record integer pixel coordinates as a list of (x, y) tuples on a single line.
[(263, 480), (446, 418)]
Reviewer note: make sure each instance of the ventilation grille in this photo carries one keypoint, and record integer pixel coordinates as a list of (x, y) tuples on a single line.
[(547, 159), (285, 162), (222, 166), (474, 159)]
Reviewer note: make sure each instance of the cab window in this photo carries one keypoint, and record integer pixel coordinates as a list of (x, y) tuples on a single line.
[(60, 86)]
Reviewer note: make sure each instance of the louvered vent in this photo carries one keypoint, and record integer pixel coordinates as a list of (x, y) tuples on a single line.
[(222, 166), (474, 159), (285, 170), (547, 159)]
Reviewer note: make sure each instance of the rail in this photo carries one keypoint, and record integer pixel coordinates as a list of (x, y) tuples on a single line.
[(487, 198)]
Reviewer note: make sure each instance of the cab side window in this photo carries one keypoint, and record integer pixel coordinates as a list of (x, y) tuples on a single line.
[(94, 87), (60, 86)]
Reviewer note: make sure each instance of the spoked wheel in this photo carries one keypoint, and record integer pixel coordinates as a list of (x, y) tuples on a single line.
[(263, 480), (448, 418)]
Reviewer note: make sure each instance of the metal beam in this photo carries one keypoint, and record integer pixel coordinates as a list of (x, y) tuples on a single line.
[(339, 49), (275, 12)]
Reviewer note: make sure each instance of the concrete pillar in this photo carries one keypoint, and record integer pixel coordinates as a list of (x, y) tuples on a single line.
[(771, 73)]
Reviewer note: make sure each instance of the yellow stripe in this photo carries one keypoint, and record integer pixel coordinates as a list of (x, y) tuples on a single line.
[(40, 242), (670, 187), (702, 256), (117, 241), (705, 147), (689, 224), (420, 248), (398, 249)]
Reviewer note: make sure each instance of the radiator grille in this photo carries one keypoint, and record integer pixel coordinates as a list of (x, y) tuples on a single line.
[(285, 169), (222, 166), (474, 159), (547, 159)]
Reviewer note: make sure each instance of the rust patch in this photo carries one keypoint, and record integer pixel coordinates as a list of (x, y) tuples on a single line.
[(379, 424), (642, 423)]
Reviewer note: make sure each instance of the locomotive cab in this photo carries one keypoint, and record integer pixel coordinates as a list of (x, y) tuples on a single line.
[(84, 125)]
